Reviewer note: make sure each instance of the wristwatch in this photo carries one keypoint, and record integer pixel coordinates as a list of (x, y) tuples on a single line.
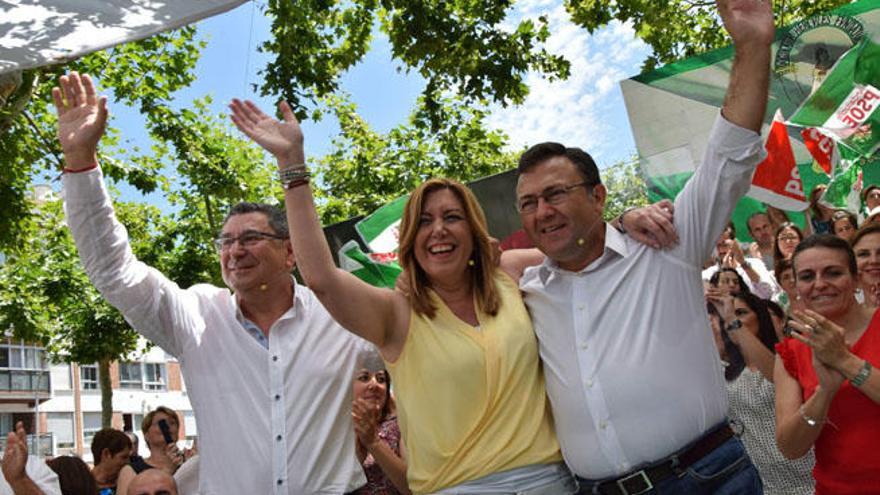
[(734, 325)]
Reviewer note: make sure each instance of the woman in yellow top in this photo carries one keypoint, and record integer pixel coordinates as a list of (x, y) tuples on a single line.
[(460, 347)]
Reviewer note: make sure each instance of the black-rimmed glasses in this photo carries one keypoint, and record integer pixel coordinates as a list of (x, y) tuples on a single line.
[(553, 195)]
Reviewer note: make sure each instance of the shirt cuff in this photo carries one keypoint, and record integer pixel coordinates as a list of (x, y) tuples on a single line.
[(81, 187), (738, 143)]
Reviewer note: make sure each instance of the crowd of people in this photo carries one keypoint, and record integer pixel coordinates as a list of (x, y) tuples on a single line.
[(598, 362)]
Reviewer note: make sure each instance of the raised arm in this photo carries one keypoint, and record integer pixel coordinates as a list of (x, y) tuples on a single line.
[(750, 24), (149, 301), (378, 315), (15, 457)]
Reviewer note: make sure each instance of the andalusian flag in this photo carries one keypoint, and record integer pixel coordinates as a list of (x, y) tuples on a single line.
[(672, 109), (379, 231), (844, 105)]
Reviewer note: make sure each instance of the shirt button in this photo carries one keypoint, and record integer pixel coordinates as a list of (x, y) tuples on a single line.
[(584, 345), (280, 482), (278, 438), (277, 396), (602, 425), (580, 307), (590, 383), (274, 358)]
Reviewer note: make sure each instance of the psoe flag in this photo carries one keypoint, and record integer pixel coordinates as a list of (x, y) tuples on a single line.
[(777, 181), (34, 33)]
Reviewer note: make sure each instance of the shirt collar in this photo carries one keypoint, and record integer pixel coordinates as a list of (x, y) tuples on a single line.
[(243, 319), (615, 243)]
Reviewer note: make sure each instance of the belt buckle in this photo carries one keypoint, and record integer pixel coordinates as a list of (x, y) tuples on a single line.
[(645, 483)]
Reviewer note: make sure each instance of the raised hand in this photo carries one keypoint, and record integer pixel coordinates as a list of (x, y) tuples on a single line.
[(823, 335), (82, 118), (652, 225), (748, 21), (283, 139), (15, 455)]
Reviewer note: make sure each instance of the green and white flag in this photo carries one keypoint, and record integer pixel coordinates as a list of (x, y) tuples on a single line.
[(671, 110), (845, 103), (379, 231)]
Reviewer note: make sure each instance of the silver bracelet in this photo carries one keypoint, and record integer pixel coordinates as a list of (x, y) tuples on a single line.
[(863, 374), (810, 421), (293, 175)]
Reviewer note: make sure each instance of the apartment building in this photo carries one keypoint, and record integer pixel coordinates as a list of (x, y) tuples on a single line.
[(62, 402)]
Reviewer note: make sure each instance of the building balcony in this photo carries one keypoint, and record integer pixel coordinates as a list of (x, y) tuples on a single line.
[(24, 385)]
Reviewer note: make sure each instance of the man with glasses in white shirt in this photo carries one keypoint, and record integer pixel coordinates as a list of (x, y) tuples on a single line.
[(268, 371), (632, 373)]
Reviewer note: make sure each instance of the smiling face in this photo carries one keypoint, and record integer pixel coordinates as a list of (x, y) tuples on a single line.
[(571, 232), (867, 251), (371, 387), (787, 241), (824, 281), (444, 241), (266, 261)]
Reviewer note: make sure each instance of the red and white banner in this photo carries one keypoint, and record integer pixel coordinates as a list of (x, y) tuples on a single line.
[(777, 181)]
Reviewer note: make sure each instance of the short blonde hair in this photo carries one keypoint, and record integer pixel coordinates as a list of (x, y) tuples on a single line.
[(483, 269)]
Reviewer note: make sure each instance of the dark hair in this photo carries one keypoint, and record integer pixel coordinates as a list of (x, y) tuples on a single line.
[(843, 214), (730, 229), (734, 357), (867, 229), (777, 255), (829, 241), (713, 280), (753, 215), (868, 189), (766, 330), (386, 407), (780, 266), (74, 476), (775, 308), (108, 438), (276, 216), (544, 151)]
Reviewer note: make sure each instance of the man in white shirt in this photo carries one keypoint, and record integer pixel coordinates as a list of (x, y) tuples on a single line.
[(632, 373), (268, 371), (25, 474)]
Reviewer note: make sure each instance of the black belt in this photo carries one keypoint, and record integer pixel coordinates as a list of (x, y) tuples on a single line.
[(645, 479)]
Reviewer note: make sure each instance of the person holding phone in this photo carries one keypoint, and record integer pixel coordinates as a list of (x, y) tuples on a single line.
[(160, 428)]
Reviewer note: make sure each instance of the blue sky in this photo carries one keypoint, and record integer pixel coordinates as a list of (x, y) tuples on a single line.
[(586, 110)]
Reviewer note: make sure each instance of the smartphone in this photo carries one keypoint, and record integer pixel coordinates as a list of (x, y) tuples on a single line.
[(166, 431)]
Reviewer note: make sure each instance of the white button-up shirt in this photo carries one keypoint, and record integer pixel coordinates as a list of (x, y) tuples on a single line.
[(271, 421), (631, 367)]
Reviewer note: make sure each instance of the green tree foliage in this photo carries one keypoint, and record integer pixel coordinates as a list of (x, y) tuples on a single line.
[(626, 187), (677, 29), (366, 169), (47, 297), (144, 74), (456, 45)]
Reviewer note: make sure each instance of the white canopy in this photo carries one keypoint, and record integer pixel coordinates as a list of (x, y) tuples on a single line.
[(42, 32)]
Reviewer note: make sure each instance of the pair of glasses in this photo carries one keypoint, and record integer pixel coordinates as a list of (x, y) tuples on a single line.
[(247, 239), (553, 195)]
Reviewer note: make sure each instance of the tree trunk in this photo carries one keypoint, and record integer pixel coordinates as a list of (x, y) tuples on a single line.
[(106, 393)]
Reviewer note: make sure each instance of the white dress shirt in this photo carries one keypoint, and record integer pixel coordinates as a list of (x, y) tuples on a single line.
[(766, 286), (631, 367), (271, 421)]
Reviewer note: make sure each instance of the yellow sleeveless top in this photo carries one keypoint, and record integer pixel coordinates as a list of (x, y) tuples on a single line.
[(471, 402)]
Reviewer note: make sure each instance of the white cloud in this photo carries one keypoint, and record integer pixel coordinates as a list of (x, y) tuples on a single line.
[(586, 110)]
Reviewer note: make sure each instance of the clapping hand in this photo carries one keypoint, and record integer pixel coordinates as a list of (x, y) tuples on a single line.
[(366, 422)]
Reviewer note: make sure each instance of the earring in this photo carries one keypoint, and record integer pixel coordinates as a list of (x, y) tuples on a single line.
[(471, 262), (581, 241)]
